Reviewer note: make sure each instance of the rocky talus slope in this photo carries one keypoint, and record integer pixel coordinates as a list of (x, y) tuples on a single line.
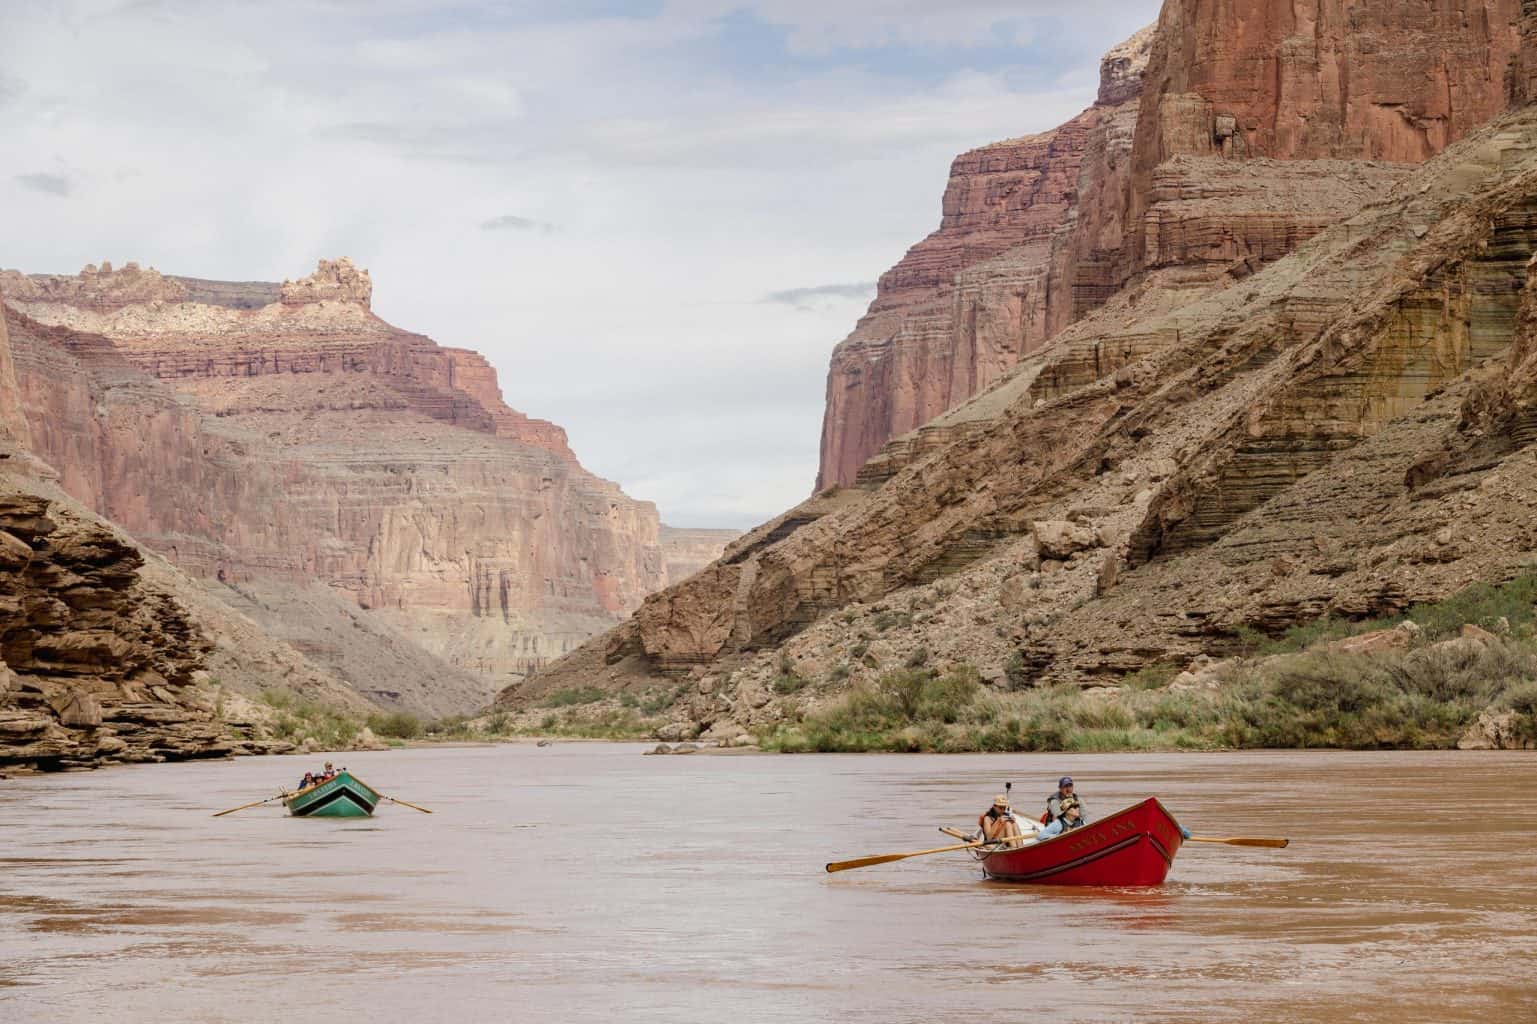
[(1039, 231), (1217, 447), (362, 492)]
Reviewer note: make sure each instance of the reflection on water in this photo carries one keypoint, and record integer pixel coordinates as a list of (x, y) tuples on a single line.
[(583, 882)]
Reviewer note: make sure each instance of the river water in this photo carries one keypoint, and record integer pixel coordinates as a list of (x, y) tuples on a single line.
[(582, 882)]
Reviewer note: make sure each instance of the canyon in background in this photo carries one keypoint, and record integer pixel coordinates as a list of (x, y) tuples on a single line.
[(306, 496)]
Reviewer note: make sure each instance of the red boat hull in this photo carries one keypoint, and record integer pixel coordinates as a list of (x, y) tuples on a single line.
[(1131, 847)]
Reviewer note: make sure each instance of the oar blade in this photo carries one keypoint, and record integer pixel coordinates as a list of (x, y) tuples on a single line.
[(1273, 844), (405, 803)]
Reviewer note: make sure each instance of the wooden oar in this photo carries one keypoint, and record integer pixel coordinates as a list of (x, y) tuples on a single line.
[(404, 804), (887, 858), (1275, 844), (391, 799), (242, 807)]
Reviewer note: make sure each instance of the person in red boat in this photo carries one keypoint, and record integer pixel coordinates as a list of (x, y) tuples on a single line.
[(998, 821), (1054, 802), (1071, 818)]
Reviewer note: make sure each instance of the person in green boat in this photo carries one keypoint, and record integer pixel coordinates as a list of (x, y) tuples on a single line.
[(326, 774)]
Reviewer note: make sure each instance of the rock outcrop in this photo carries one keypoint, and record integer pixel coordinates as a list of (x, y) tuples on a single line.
[(95, 664), (266, 438), (1337, 430)]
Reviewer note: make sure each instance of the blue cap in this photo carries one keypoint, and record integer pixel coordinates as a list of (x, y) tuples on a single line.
[(1064, 781)]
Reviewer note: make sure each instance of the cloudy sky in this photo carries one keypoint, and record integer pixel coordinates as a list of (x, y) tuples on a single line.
[(654, 218)]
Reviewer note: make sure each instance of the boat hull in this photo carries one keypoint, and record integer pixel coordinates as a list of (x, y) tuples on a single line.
[(342, 797), (1133, 847)]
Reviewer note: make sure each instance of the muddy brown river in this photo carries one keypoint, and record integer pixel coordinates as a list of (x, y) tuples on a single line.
[(584, 882)]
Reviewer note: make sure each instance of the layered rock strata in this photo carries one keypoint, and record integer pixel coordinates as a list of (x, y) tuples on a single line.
[(264, 445), (94, 663), (1312, 86), (1342, 431), (965, 303)]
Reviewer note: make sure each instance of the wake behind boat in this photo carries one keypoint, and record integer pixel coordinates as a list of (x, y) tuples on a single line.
[(343, 795)]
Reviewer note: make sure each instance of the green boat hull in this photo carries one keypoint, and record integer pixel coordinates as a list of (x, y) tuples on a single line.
[(342, 797)]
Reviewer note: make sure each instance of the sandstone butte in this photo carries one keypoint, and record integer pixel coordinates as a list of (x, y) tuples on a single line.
[(268, 485), (1287, 371)]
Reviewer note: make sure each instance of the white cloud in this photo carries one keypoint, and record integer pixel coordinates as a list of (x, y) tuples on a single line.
[(42, 181), (694, 174)]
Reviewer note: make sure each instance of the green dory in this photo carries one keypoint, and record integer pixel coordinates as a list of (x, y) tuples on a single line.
[(343, 796)]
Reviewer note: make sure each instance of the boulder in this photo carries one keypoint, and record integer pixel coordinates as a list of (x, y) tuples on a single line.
[(1496, 730), (673, 732), (1059, 539)]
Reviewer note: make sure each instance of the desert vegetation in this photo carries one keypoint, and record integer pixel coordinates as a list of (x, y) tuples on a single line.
[(1302, 689)]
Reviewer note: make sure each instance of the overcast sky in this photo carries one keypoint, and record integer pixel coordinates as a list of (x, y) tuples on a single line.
[(655, 219)]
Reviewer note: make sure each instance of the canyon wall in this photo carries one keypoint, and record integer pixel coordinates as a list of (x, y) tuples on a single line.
[(966, 302), (1295, 91), (1309, 397), (108, 653), (271, 436)]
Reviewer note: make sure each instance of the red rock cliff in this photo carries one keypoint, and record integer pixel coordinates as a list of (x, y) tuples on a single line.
[(306, 439), (1312, 84), (966, 302)]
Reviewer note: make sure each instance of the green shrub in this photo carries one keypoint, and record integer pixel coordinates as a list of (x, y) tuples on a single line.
[(1015, 672), (400, 725), (1151, 677), (572, 697), (658, 701), (1482, 605)]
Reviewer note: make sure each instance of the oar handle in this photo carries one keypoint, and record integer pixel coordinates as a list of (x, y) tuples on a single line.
[(887, 858)]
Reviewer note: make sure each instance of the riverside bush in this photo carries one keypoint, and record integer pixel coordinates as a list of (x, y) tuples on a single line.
[(573, 696), (397, 725), (299, 719)]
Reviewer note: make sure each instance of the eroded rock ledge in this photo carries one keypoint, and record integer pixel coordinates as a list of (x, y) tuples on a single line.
[(96, 665)]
